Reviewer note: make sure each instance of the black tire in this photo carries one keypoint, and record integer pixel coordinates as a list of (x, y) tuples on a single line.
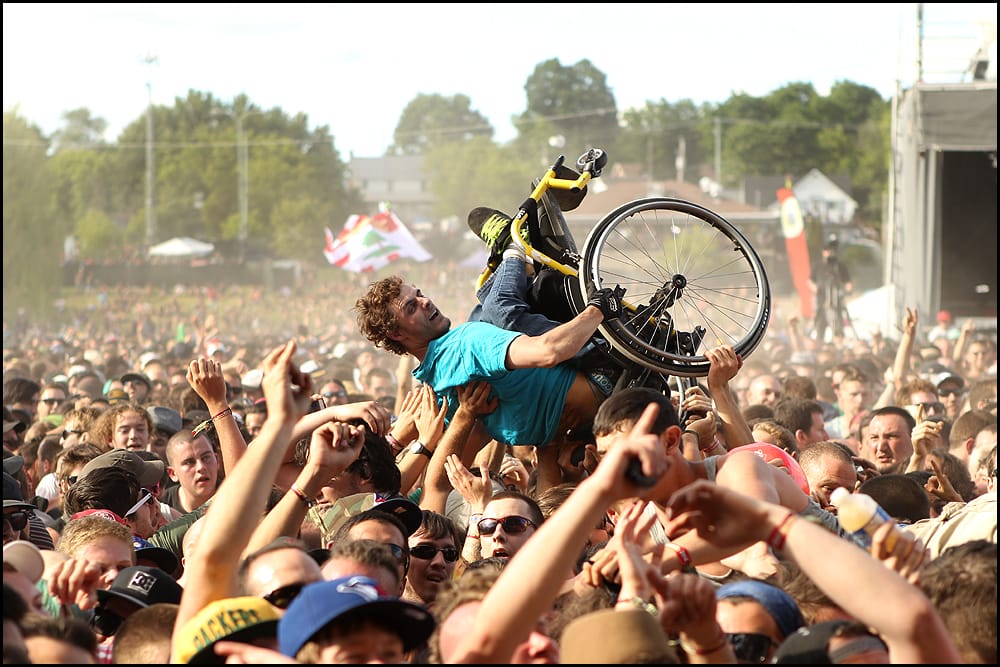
[(692, 282)]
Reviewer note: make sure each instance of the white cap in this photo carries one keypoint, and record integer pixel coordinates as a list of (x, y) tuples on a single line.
[(26, 559), (252, 379)]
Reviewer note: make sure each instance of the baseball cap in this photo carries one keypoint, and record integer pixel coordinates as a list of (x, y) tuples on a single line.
[(944, 316), (25, 557), (779, 604), (147, 358), (941, 378), (12, 493), (101, 512), (165, 419), (15, 424), (809, 645), (117, 396), (336, 515), (137, 377), (144, 586), (14, 463), (164, 559), (239, 619), (323, 602), (311, 367), (252, 378), (638, 639), (148, 472)]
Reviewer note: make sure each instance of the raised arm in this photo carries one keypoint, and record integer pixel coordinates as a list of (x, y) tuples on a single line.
[(205, 376), (873, 593)]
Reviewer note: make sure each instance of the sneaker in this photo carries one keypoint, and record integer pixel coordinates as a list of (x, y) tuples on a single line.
[(493, 227)]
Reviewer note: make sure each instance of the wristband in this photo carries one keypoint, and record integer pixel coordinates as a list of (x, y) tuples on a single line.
[(470, 536), (225, 413), (776, 540), (683, 555), (712, 447), (722, 642), (638, 603), (393, 442), (309, 502)]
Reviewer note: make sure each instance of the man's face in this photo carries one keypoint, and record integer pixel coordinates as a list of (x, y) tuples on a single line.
[(817, 431), (953, 397), (827, 474), (131, 432), (505, 542), (334, 393), (367, 642), (110, 554), (888, 443), (145, 520), (764, 390), (386, 533), (277, 569), (418, 321), (137, 391), (254, 421), (50, 400), (428, 575), (194, 466), (381, 387), (852, 396)]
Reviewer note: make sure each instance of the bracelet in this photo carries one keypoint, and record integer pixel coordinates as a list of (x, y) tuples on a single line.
[(721, 644), (225, 413), (776, 540), (712, 447), (310, 503), (683, 555), (638, 603), (393, 442), (470, 536)]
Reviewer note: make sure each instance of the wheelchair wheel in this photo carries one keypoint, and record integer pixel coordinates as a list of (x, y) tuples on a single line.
[(692, 282)]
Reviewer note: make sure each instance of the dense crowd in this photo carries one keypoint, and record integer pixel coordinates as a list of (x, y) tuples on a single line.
[(273, 477)]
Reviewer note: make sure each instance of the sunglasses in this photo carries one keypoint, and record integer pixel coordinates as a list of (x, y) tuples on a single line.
[(949, 392), (282, 597), (512, 525), (106, 621), (71, 479), (750, 647), (428, 551), (68, 432), (399, 554), (17, 519), (335, 394), (147, 495)]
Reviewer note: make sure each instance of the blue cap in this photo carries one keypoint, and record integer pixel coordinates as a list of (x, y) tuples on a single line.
[(779, 604), (323, 602)]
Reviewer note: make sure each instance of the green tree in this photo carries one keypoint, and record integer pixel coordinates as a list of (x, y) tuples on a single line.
[(652, 135), (81, 130), (431, 120), (572, 101), (32, 248)]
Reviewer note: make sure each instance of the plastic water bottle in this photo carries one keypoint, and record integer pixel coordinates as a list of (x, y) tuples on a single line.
[(861, 515)]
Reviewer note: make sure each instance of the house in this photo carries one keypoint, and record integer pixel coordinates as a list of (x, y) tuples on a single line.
[(821, 197), (398, 180)]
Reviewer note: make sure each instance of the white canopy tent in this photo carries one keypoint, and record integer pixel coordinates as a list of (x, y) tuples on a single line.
[(181, 247)]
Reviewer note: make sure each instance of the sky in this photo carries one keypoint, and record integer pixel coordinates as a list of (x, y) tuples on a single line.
[(354, 67)]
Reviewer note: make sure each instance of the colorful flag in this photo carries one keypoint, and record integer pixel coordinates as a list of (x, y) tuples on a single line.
[(794, 230), (367, 243)]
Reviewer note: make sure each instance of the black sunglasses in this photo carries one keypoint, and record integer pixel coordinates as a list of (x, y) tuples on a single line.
[(428, 551), (335, 394), (106, 621), (68, 432), (282, 597), (512, 525), (17, 519), (750, 647), (949, 392)]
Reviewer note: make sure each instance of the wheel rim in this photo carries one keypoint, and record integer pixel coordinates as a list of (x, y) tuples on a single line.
[(683, 267)]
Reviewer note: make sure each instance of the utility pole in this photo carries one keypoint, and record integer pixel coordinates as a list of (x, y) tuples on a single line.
[(150, 60), (718, 151)]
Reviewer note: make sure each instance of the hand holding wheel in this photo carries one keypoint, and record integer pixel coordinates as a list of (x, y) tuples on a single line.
[(608, 301)]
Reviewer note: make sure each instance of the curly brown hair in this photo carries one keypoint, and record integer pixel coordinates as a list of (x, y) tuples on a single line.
[(376, 316)]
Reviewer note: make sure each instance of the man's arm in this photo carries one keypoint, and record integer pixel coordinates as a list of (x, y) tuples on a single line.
[(556, 345)]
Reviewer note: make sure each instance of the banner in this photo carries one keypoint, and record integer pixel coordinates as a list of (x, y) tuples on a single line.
[(367, 243), (794, 230)]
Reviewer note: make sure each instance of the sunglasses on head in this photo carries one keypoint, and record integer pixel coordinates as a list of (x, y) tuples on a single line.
[(17, 519), (428, 551), (512, 525), (283, 596), (146, 496), (750, 647)]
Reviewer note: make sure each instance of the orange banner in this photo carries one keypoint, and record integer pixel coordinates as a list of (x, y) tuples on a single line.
[(794, 230)]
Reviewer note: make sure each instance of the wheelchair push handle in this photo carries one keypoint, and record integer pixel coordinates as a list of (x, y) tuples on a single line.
[(593, 161)]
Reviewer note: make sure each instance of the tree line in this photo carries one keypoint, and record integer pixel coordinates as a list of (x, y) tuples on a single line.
[(76, 183)]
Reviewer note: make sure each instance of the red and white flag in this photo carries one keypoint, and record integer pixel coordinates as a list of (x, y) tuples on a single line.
[(794, 230), (367, 243)]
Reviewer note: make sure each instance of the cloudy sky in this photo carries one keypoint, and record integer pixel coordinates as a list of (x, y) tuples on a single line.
[(354, 67)]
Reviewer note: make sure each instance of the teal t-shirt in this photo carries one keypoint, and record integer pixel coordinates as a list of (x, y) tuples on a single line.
[(531, 399)]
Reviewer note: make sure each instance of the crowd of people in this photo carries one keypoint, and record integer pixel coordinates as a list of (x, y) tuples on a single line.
[(385, 477)]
